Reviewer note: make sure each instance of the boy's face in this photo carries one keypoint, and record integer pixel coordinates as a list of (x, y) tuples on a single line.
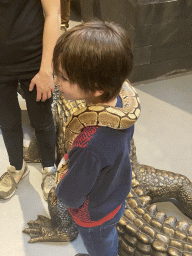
[(73, 91), (70, 91)]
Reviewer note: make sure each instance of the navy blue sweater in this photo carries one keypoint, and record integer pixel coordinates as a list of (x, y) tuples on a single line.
[(99, 174)]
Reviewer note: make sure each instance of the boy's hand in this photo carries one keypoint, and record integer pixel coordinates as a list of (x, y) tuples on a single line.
[(62, 168), (64, 159)]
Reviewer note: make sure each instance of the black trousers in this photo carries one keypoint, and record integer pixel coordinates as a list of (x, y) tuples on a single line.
[(41, 119)]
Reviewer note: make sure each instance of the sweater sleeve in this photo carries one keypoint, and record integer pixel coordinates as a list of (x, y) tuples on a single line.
[(83, 170)]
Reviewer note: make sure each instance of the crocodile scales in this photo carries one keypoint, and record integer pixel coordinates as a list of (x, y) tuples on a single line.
[(143, 230)]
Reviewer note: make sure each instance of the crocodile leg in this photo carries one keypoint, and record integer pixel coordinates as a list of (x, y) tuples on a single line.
[(31, 154), (59, 228), (163, 185)]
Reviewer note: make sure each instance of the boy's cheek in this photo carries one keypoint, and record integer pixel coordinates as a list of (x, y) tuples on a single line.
[(61, 89), (58, 83)]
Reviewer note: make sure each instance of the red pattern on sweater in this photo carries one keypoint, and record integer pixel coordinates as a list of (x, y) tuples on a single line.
[(82, 212), (83, 219), (84, 137)]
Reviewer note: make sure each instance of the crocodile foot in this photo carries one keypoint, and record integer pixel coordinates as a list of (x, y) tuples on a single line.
[(35, 158), (41, 230), (59, 228)]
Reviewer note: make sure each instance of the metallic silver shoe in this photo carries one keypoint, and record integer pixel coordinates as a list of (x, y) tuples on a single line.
[(48, 180), (10, 179)]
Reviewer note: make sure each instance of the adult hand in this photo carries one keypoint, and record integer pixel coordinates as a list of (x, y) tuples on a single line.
[(44, 85)]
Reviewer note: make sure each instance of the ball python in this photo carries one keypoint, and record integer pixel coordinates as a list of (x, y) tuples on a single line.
[(100, 115), (143, 230)]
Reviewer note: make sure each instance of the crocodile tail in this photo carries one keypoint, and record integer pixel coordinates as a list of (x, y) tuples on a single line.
[(143, 230)]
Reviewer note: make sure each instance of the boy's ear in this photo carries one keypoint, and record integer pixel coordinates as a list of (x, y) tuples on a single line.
[(98, 93)]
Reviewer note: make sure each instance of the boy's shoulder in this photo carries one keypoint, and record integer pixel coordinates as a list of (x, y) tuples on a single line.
[(98, 136), (88, 132), (103, 142)]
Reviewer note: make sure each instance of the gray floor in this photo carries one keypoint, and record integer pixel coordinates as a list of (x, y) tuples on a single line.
[(163, 137)]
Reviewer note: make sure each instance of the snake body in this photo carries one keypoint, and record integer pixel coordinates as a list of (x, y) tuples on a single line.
[(98, 115), (143, 230)]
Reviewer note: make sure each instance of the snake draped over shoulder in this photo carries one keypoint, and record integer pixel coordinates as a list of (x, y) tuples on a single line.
[(100, 115)]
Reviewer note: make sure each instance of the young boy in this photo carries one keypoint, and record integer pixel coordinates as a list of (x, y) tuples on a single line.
[(91, 61)]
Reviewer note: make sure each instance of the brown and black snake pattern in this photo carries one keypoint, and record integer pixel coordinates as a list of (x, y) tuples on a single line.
[(143, 230)]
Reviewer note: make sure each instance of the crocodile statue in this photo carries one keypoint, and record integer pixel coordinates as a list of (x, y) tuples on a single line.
[(143, 230)]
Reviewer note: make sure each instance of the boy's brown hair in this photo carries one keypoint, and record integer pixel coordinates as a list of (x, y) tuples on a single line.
[(95, 55)]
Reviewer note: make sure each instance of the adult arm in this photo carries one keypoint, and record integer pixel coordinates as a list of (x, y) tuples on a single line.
[(44, 78)]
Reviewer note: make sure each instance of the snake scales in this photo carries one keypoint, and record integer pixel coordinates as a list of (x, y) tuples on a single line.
[(143, 230)]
